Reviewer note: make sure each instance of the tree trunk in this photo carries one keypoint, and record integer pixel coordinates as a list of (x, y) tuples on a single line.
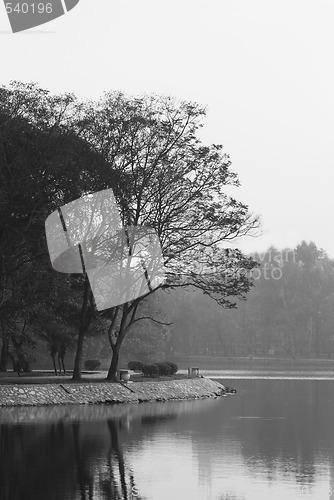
[(62, 364), (16, 364), (114, 363), (84, 324), (316, 333), (78, 356), (54, 364), (4, 354), (116, 347)]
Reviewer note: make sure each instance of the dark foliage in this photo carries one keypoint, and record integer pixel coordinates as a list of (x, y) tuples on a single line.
[(173, 366), (164, 368), (137, 366), (92, 364), (151, 370)]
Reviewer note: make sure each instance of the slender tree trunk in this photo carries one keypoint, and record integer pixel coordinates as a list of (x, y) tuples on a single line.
[(84, 324), (4, 354), (310, 343), (54, 364), (62, 360), (317, 333), (115, 346), (114, 363), (128, 311), (16, 364), (78, 356)]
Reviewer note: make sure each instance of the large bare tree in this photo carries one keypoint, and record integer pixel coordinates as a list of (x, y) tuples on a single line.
[(171, 182)]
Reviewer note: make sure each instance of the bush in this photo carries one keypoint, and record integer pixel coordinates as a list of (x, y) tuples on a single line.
[(92, 364), (136, 366), (150, 371), (164, 368), (173, 366)]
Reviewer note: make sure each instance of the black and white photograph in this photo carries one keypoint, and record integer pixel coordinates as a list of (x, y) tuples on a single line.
[(166, 250)]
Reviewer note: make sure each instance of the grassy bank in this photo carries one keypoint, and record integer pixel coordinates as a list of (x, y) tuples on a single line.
[(49, 377)]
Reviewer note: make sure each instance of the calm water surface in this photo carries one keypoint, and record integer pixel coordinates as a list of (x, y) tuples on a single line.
[(274, 439)]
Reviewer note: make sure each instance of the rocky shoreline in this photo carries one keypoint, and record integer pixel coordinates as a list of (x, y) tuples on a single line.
[(108, 393)]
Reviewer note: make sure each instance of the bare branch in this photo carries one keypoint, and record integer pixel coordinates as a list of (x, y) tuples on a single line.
[(152, 319)]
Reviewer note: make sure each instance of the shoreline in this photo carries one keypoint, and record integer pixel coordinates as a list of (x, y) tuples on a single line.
[(257, 362), (108, 393)]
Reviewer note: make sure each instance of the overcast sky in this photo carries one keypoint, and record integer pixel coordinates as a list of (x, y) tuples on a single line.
[(264, 69)]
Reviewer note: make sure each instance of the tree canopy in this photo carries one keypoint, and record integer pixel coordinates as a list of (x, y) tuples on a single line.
[(55, 148)]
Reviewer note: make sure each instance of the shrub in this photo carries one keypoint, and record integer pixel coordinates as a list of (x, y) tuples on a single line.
[(173, 366), (151, 371), (136, 366), (164, 368), (92, 364)]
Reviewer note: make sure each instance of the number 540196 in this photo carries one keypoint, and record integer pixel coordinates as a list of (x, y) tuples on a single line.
[(25, 8)]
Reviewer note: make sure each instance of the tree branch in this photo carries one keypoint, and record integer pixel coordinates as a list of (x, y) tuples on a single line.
[(152, 319)]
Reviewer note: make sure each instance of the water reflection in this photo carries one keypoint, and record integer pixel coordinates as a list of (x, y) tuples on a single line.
[(270, 374), (274, 439), (74, 452), (64, 461)]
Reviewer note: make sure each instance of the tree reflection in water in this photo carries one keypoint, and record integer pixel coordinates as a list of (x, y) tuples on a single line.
[(116, 452), (275, 433), (85, 479), (64, 460), (35, 462)]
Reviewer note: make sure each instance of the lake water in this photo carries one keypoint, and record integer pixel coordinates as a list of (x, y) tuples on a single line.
[(273, 440)]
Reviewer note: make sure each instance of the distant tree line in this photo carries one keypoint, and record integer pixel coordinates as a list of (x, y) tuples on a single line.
[(289, 312)]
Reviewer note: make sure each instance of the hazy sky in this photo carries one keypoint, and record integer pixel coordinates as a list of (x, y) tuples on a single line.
[(264, 69)]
